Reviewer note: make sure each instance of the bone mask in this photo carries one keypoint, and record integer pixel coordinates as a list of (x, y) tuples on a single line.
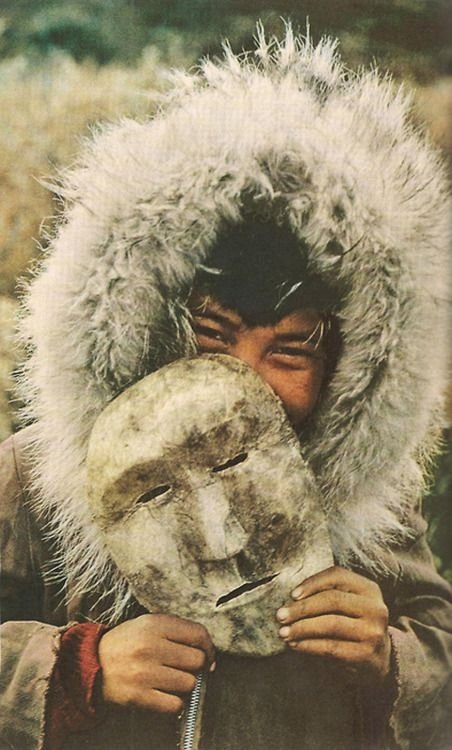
[(206, 505)]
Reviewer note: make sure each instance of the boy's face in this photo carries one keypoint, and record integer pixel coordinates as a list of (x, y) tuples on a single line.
[(289, 355)]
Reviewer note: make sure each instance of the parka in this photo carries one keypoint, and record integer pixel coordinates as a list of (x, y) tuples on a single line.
[(289, 135)]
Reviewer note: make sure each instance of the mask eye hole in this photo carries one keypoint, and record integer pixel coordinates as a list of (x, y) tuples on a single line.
[(238, 459), (156, 492)]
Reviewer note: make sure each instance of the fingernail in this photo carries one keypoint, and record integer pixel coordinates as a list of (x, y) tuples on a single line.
[(282, 614), (213, 666), (297, 593), (284, 632)]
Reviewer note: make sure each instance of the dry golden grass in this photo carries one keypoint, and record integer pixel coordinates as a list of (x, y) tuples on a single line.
[(434, 105), (44, 112), (7, 314)]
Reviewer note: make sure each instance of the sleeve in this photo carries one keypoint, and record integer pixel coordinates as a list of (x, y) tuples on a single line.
[(29, 647), (49, 672), (21, 588), (74, 702), (421, 635), (29, 652)]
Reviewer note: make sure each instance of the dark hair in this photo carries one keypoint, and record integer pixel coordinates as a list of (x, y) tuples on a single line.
[(263, 272)]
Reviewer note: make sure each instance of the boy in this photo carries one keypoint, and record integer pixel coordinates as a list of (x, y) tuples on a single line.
[(281, 212)]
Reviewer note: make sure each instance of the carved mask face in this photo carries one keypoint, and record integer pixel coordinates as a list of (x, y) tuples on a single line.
[(204, 500)]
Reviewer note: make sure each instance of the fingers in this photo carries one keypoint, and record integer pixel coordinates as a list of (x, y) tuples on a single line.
[(369, 661), (332, 601), (351, 652), (177, 655), (165, 679), (325, 602), (156, 700), (339, 614), (327, 627), (164, 703), (179, 630), (152, 661), (336, 578)]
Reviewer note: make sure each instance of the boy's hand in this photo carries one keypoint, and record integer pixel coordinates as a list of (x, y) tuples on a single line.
[(342, 615), (152, 661)]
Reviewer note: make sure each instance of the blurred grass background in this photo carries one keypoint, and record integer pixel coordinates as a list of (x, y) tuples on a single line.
[(66, 65)]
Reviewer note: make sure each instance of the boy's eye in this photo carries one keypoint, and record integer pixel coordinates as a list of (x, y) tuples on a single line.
[(213, 334), (293, 351), (298, 351)]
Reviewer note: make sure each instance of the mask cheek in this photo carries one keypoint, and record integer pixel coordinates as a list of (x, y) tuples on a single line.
[(148, 550)]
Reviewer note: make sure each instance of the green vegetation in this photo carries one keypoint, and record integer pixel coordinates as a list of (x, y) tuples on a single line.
[(409, 36)]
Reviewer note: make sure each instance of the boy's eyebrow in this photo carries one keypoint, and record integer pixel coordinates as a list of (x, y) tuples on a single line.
[(295, 336), (218, 317), (314, 334)]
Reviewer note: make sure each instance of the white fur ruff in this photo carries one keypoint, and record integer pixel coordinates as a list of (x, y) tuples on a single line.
[(301, 138)]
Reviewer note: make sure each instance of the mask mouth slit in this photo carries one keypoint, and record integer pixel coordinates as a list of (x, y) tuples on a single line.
[(248, 586), (238, 459)]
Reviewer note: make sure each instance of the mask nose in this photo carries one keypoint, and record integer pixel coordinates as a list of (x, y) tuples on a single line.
[(219, 534)]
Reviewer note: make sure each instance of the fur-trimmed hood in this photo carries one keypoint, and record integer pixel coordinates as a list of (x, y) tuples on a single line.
[(287, 133)]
